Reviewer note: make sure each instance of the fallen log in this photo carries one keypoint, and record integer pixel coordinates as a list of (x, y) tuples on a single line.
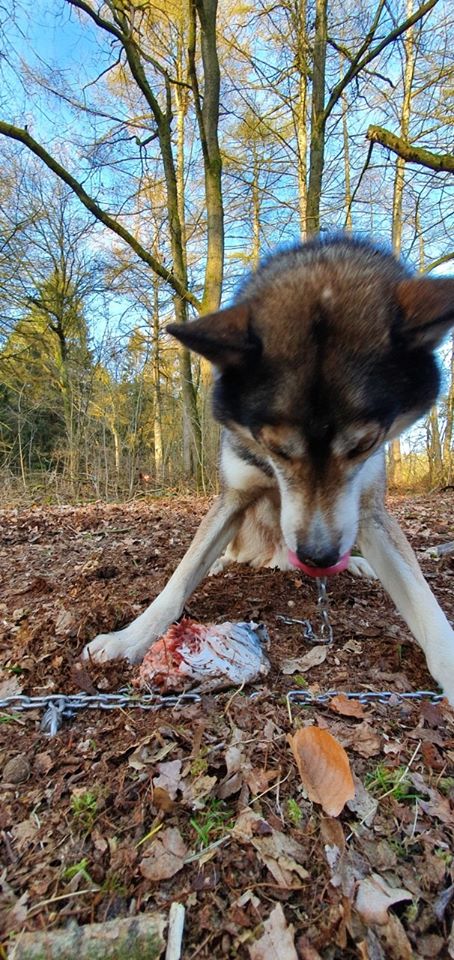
[(129, 938)]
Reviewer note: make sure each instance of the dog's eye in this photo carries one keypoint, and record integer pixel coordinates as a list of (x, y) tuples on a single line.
[(363, 446)]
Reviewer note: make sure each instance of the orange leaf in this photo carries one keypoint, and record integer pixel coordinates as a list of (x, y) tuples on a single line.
[(324, 768), (347, 708)]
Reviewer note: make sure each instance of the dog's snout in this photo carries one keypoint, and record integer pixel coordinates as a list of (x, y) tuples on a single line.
[(317, 558)]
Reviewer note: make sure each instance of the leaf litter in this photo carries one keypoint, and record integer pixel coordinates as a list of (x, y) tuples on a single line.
[(124, 812)]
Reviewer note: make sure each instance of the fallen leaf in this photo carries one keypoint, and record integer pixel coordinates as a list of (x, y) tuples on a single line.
[(364, 740), (166, 856), (301, 665), (283, 856), (277, 939), (352, 646), (10, 687), (259, 779), (363, 803), (432, 757), (394, 940), (437, 805), (195, 791), (43, 762), (374, 897), (23, 833), (347, 708), (64, 623), (442, 902), (324, 768), (244, 826), (345, 869), (306, 951), (169, 777)]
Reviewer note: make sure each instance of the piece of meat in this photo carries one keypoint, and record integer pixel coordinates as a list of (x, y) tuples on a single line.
[(212, 656)]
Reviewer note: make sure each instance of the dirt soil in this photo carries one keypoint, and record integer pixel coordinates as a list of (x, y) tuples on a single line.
[(123, 812)]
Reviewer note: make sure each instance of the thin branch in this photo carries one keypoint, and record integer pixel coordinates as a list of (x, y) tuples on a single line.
[(22, 136)]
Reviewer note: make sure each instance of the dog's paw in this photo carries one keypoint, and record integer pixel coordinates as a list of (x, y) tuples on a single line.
[(108, 646), (360, 567), (219, 566)]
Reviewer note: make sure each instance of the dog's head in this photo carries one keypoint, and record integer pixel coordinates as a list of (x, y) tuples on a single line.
[(325, 355)]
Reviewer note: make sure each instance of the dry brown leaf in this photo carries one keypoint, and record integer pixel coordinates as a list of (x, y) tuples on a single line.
[(324, 768), (364, 740), (10, 686), (363, 803), (394, 939), (169, 777), (347, 708), (374, 896), (166, 856), (195, 791), (283, 856), (277, 939), (312, 659)]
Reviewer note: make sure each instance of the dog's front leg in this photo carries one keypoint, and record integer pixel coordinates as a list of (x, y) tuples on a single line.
[(386, 548), (213, 535)]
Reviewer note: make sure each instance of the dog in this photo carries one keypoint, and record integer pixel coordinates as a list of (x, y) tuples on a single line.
[(325, 355)]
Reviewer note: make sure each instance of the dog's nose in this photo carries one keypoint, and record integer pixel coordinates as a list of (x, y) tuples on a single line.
[(312, 558)]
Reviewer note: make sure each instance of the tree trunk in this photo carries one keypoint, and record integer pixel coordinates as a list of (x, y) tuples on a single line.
[(347, 178), (399, 179), (255, 207), (449, 426), (158, 444), (301, 128), (207, 110), (318, 119), (434, 449), (394, 462)]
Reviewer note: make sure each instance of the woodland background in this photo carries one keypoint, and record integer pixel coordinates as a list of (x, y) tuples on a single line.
[(151, 153)]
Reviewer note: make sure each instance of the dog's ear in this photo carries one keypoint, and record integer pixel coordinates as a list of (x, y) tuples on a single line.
[(224, 338), (428, 309)]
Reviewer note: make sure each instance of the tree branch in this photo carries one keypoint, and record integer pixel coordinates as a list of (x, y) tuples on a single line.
[(22, 136), (361, 61), (441, 162)]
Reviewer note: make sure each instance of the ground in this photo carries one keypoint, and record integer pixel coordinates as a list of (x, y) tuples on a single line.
[(118, 813)]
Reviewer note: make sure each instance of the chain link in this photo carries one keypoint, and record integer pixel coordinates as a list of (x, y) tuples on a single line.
[(305, 698), (58, 707), (325, 634)]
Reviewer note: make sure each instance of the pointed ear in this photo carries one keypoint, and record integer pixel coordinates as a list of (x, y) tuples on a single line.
[(224, 338), (428, 308)]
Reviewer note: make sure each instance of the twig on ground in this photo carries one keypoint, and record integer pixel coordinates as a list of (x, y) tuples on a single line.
[(175, 931)]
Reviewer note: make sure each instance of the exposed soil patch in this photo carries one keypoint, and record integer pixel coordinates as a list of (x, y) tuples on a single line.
[(118, 813)]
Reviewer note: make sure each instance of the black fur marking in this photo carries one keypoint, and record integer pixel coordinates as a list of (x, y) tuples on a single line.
[(379, 386), (245, 454)]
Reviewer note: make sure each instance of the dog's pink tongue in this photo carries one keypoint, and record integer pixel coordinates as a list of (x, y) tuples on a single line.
[(342, 564)]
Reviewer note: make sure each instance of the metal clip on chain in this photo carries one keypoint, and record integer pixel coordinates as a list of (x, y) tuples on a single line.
[(325, 634)]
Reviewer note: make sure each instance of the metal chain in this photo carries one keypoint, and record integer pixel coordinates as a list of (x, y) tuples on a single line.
[(391, 697), (58, 706), (325, 634), (61, 706)]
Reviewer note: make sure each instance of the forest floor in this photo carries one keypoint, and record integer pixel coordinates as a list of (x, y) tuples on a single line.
[(118, 813)]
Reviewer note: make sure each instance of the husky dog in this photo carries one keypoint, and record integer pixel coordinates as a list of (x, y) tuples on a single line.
[(326, 354)]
